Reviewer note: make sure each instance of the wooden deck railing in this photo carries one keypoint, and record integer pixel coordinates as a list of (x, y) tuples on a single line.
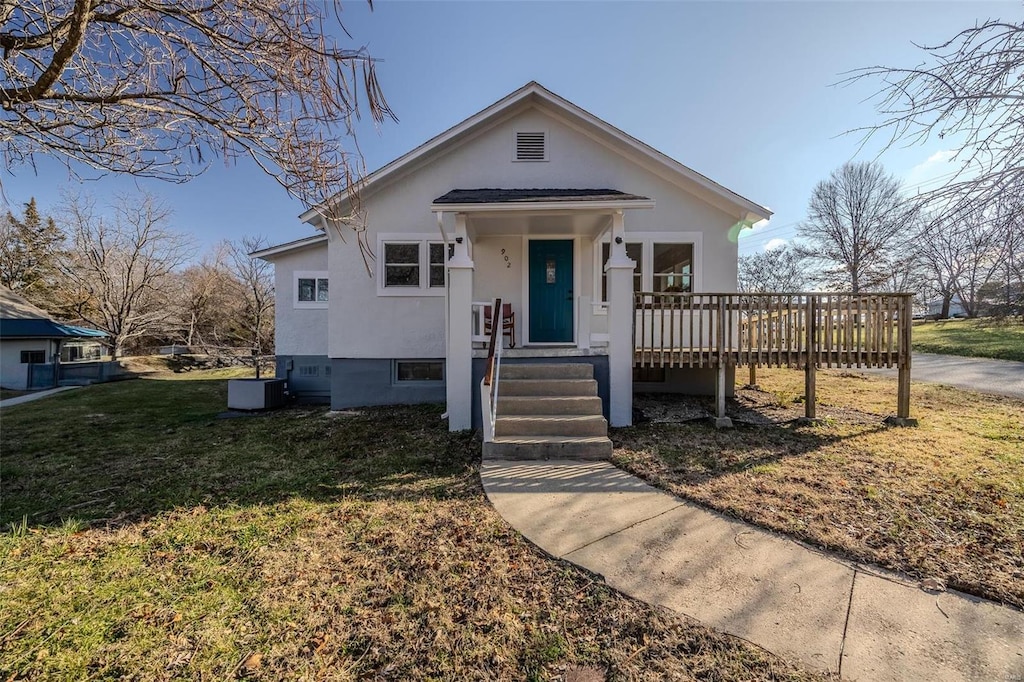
[(801, 330)]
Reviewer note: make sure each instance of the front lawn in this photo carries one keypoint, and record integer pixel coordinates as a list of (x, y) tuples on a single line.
[(944, 500), (981, 338), (145, 539)]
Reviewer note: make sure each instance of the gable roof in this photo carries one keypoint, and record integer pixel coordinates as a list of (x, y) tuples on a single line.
[(534, 94), (278, 249), (14, 307)]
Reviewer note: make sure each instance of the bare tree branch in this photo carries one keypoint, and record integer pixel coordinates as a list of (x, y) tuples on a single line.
[(157, 88), (970, 91)]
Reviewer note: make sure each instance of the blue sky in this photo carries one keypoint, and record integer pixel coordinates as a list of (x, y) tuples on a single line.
[(741, 92)]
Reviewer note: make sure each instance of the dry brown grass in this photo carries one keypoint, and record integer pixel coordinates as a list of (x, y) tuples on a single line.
[(943, 500), (151, 541)]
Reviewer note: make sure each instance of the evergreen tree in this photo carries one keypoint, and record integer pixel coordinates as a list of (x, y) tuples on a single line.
[(30, 247)]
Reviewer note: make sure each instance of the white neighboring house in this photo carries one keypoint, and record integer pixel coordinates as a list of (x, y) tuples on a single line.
[(532, 200), (30, 339)]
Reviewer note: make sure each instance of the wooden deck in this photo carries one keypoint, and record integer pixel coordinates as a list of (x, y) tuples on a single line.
[(798, 330)]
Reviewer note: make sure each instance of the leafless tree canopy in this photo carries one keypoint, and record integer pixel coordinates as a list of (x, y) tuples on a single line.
[(117, 273), (856, 220), (780, 269), (255, 285), (971, 90), (974, 258), (158, 87)]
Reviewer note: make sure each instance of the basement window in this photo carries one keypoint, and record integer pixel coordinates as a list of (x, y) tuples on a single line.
[(531, 145), (419, 370)]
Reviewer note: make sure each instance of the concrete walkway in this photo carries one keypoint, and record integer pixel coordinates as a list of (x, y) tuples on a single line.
[(998, 377), (37, 395), (794, 601)]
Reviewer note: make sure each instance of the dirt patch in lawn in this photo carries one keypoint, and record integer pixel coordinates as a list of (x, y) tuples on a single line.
[(944, 500), (164, 543)]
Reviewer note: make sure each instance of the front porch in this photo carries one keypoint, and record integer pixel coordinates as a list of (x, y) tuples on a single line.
[(538, 252)]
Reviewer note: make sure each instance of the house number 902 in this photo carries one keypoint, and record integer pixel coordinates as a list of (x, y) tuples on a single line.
[(508, 261)]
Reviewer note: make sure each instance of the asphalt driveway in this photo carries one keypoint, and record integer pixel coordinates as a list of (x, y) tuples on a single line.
[(998, 377)]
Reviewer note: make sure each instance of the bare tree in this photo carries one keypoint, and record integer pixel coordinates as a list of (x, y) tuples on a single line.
[(207, 294), (963, 254), (855, 220), (117, 270), (255, 279), (939, 250), (780, 269), (969, 92), (158, 87)]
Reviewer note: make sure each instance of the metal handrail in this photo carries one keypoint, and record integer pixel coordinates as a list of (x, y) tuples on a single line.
[(491, 378)]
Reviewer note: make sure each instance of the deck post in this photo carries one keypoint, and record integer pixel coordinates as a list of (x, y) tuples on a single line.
[(721, 421), (810, 398), (810, 355), (903, 391), (621, 317), (459, 363)]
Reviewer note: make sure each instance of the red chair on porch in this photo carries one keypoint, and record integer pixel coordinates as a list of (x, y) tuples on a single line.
[(508, 322)]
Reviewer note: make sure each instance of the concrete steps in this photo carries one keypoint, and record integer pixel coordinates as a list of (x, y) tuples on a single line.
[(549, 411)]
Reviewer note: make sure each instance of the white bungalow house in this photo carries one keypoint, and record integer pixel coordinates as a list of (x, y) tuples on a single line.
[(534, 201)]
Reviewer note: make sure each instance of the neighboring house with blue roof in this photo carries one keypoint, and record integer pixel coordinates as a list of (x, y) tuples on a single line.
[(29, 337)]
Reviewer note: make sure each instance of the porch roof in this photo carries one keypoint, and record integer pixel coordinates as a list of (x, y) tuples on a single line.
[(495, 199)]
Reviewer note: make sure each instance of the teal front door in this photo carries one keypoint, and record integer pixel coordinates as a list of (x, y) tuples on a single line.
[(551, 302)]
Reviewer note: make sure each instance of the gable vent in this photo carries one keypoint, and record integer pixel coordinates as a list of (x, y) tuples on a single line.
[(531, 146)]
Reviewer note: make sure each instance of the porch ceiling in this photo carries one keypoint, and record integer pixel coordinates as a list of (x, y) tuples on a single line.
[(519, 196), (486, 225)]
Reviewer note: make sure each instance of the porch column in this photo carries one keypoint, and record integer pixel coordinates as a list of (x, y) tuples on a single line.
[(459, 362), (620, 326)]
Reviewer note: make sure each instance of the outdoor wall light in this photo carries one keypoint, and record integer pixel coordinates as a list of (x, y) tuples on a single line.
[(458, 240)]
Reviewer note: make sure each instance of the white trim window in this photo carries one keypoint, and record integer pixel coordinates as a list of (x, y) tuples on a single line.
[(311, 289), (666, 262), (402, 264), (411, 265), (673, 269)]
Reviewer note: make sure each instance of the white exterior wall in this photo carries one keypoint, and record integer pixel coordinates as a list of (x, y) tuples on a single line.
[(14, 374), (365, 325), (300, 331)]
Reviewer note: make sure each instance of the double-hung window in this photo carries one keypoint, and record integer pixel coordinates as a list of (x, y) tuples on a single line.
[(311, 290), (412, 265), (402, 264), (673, 267)]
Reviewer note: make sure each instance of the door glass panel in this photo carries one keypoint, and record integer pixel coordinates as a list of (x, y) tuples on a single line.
[(550, 270)]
